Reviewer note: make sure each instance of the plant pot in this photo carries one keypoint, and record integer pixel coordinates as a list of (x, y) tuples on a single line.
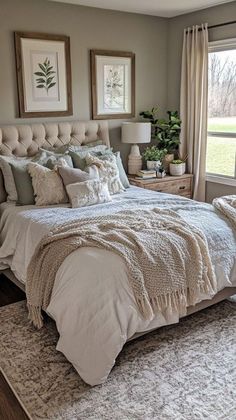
[(153, 164), (166, 161), (177, 169)]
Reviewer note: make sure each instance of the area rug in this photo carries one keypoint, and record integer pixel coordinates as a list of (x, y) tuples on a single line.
[(185, 371)]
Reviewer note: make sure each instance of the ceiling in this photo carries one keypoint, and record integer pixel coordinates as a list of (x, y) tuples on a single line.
[(164, 8)]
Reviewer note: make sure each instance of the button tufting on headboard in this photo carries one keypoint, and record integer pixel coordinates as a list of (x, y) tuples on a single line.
[(25, 140)]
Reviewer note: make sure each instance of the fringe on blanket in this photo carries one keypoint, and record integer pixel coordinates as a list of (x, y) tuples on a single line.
[(175, 301)]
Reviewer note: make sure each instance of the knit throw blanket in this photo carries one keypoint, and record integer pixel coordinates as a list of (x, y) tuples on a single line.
[(227, 206), (168, 262)]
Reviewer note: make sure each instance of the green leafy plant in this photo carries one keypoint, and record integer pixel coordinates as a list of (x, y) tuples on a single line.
[(46, 76), (165, 132), (154, 154)]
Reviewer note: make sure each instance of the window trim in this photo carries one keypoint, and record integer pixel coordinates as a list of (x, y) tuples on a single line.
[(220, 179), (217, 46)]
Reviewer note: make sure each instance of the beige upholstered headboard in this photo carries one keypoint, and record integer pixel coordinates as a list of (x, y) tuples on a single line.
[(25, 140)]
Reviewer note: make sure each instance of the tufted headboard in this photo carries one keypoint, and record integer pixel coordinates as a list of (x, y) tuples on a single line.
[(25, 140)]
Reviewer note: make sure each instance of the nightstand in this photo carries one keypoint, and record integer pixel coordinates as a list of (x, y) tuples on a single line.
[(180, 185)]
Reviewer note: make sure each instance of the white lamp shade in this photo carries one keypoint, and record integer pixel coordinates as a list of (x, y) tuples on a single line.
[(136, 132)]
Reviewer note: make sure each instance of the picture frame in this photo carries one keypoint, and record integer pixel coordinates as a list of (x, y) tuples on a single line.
[(43, 69), (112, 84)]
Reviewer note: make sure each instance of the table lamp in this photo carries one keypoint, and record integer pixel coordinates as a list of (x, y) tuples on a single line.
[(135, 133)]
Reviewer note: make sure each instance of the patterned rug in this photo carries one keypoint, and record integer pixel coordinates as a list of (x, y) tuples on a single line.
[(184, 372)]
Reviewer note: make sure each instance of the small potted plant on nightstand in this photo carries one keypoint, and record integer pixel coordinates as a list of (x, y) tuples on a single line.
[(178, 167), (154, 157)]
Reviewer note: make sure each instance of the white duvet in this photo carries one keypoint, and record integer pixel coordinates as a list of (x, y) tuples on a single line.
[(92, 302)]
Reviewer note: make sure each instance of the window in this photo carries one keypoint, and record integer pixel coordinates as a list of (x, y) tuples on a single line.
[(221, 142)]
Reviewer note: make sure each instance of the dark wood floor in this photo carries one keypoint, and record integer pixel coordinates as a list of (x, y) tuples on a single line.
[(10, 409)]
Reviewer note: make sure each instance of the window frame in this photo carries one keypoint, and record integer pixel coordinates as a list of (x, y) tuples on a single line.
[(216, 46)]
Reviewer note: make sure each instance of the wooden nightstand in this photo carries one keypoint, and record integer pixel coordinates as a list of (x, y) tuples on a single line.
[(180, 185)]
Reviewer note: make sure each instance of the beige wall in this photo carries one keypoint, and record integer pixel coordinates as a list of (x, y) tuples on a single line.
[(88, 28), (213, 15)]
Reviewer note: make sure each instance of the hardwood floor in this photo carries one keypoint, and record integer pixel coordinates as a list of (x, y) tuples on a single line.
[(10, 409)]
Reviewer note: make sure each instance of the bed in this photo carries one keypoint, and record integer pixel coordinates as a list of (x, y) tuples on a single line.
[(92, 302)]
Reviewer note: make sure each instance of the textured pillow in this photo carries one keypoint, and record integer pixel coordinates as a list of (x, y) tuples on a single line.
[(72, 175), (108, 171), (122, 173), (88, 193), (47, 184), (79, 155)]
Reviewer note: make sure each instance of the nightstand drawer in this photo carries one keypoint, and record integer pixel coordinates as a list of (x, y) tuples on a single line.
[(181, 187)]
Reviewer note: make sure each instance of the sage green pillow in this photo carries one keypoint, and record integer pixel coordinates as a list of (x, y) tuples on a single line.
[(24, 188), (78, 156)]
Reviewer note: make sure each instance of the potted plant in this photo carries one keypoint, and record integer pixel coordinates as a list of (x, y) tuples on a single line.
[(154, 157), (178, 167), (165, 132)]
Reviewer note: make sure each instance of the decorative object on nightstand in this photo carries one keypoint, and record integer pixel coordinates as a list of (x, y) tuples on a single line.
[(177, 167), (135, 133), (179, 185), (154, 157)]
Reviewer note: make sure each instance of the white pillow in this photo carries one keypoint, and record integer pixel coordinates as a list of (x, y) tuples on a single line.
[(107, 170), (87, 193), (47, 184)]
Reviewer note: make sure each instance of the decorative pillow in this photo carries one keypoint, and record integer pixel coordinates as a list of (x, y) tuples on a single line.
[(49, 158), (122, 173), (108, 171), (88, 193), (72, 175), (47, 184), (23, 183), (65, 147), (79, 156), (6, 163), (8, 177)]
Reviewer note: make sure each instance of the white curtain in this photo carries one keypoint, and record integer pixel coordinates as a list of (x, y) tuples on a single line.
[(193, 104)]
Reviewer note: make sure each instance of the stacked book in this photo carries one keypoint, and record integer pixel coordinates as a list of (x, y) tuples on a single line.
[(146, 174)]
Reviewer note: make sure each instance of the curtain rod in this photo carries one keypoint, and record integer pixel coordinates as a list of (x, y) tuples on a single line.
[(222, 24), (218, 25)]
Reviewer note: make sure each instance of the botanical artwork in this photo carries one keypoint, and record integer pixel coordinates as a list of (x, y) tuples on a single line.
[(45, 76), (114, 87), (113, 84)]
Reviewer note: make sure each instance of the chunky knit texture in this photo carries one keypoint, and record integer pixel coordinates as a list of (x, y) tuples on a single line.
[(167, 259), (227, 206)]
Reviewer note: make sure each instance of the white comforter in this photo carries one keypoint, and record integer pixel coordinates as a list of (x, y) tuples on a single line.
[(92, 302)]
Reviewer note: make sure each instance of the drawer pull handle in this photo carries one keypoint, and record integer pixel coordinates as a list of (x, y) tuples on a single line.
[(158, 190), (182, 188)]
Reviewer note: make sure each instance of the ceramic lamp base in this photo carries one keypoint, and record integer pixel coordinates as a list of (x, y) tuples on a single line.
[(134, 160)]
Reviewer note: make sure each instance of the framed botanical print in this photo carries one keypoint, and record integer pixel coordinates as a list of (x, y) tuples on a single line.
[(113, 84), (43, 74)]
